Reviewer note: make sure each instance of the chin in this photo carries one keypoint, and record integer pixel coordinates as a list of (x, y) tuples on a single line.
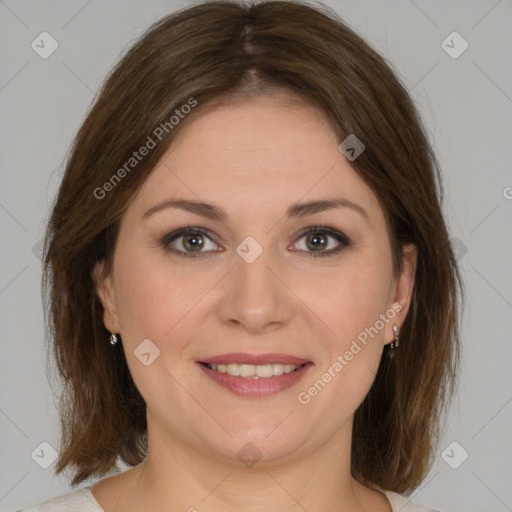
[(260, 442)]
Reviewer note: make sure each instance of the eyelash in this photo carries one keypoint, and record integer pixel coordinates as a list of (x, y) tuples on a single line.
[(338, 236)]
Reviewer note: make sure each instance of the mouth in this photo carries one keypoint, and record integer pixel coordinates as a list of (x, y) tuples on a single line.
[(255, 375)]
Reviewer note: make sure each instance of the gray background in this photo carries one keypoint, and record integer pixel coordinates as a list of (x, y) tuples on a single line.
[(466, 104)]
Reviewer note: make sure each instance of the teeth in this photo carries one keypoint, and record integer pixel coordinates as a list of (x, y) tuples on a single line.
[(251, 371), (233, 369)]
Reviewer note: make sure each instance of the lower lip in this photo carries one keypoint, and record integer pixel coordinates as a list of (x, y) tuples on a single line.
[(256, 387)]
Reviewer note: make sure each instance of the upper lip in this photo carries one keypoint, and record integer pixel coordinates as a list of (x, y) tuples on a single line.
[(255, 359)]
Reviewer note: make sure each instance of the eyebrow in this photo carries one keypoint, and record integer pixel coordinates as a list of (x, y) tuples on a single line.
[(297, 210)]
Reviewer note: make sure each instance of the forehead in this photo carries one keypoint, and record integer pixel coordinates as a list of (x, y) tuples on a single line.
[(255, 156)]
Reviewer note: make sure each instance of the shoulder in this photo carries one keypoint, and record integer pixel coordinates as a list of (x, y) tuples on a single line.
[(78, 500), (401, 503)]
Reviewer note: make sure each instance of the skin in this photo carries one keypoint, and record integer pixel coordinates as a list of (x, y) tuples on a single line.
[(253, 159)]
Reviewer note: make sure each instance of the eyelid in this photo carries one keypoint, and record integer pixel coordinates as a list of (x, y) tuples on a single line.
[(339, 236)]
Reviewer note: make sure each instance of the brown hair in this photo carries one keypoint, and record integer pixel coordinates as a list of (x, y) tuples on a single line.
[(220, 49)]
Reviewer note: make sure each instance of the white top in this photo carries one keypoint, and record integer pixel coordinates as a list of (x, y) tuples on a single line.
[(83, 500)]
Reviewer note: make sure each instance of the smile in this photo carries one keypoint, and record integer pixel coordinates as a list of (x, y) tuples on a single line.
[(267, 375)]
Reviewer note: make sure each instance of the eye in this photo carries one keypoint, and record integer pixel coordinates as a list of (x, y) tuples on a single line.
[(317, 240), (188, 242)]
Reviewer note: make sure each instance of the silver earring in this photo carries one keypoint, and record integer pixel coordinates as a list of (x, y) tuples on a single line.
[(395, 342), (113, 339)]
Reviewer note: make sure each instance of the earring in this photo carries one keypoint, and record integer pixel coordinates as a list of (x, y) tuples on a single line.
[(394, 343), (113, 339)]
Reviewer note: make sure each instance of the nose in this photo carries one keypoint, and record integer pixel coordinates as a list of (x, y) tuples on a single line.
[(255, 296)]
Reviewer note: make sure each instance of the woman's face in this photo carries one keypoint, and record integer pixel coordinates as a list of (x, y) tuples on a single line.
[(247, 287)]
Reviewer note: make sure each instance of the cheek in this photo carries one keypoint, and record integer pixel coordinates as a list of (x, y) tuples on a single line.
[(156, 302), (347, 361), (152, 295), (349, 358), (356, 297), (357, 314)]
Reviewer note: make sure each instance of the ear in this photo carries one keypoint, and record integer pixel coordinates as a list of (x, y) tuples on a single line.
[(106, 294), (401, 293)]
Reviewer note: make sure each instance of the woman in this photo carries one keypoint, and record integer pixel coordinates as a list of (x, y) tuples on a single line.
[(252, 296)]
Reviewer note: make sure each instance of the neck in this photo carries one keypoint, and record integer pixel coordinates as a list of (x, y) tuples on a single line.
[(179, 476)]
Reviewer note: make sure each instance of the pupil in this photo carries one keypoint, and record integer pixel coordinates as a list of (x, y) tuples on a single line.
[(193, 241), (315, 238)]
